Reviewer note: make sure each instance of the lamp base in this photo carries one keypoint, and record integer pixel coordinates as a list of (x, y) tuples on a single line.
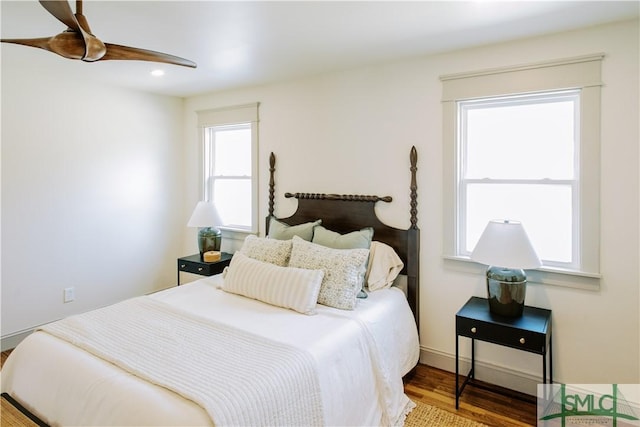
[(209, 239), (506, 290)]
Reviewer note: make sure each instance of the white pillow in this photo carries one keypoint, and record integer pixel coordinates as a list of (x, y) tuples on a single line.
[(268, 250), (343, 271), (293, 288), (384, 266)]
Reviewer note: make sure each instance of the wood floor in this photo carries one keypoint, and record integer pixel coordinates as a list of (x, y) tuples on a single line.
[(3, 357), (487, 404), (435, 387)]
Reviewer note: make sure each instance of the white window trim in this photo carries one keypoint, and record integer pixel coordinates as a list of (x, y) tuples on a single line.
[(232, 115), (582, 73)]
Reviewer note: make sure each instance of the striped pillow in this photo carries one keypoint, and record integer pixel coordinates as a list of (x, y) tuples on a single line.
[(293, 288)]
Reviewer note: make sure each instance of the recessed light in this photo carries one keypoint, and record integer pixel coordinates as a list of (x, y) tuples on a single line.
[(157, 73)]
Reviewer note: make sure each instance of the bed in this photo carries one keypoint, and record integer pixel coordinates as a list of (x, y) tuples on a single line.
[(252, 346)]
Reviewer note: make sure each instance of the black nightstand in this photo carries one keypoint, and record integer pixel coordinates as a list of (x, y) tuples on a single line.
[(531, 332), (193, 264)]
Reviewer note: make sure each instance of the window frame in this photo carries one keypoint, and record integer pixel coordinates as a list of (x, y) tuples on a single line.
[(228, 117), (578, 73)]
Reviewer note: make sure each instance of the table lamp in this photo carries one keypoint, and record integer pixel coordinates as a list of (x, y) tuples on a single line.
[(505, 247), (206, 217)]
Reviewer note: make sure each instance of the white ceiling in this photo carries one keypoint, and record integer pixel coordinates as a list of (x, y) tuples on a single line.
[(240, 43)]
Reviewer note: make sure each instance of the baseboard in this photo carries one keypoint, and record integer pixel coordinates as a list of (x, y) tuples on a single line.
[(487, 372), (11, 341)]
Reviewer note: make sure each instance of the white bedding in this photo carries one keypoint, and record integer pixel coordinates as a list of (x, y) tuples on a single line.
[(360, 385), (277, 383)]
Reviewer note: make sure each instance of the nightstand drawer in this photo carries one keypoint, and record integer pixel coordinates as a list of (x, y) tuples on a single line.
[(193, 267), (501, 334), (193, 264)]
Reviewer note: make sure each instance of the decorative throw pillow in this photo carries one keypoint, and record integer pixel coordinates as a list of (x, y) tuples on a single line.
[(353, 240), (268, 250), (293, 288), (280, 230), (343, 271)]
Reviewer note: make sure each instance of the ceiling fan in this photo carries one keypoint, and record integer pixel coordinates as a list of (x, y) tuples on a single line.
[(78, 42)]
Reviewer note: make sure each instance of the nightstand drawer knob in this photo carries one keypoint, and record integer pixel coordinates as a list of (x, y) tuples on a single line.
[(199, 268), (473, 330), (182, 265), (522, 341)]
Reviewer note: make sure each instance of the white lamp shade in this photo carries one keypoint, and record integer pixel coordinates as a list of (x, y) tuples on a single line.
[(505, 244), (204, 215)]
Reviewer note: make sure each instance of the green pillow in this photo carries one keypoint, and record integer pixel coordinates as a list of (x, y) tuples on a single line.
[(354, 240), (281, 231)]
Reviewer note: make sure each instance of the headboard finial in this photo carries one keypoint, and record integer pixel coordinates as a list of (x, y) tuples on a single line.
[(413, 158)]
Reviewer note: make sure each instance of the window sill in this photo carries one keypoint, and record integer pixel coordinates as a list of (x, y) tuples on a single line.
[(233, 238), (544, 275), (231, 231)]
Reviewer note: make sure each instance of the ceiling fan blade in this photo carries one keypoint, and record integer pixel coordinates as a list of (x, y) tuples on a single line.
[(118, 52), (62, 11), (67, 44), (42, 43)]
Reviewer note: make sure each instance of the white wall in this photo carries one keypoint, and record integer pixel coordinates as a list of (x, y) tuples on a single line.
[(350, 132), (92, 197)]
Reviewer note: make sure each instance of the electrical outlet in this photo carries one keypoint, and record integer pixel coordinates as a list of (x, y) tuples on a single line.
[(69, 294)]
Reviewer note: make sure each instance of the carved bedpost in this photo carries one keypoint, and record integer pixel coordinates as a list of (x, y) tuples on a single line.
[(272, 188), (272, 184), (413, 157), (413, 255)]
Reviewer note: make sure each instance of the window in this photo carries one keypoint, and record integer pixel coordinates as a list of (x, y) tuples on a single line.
[(229, 142), (228, 173), (522, 143), (518, 157)]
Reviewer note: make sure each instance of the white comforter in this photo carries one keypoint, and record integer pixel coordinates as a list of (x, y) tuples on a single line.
[(360, 383)]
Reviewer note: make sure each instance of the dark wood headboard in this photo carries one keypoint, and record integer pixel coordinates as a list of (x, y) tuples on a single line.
[(346, 213)]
